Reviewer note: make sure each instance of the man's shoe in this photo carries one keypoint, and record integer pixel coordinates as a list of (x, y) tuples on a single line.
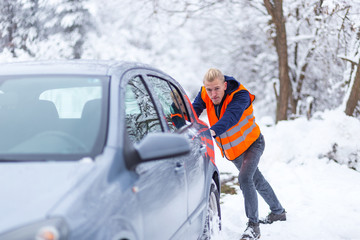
[(272, 217), (252, 232)]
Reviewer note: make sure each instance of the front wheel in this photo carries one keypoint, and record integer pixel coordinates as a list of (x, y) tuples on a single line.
[(213, 218)]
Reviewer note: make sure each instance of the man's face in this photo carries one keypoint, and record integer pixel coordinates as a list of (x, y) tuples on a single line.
[(215, 90)]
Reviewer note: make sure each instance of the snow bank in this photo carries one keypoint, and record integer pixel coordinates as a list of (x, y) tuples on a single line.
[(321, 197), (331, 135)]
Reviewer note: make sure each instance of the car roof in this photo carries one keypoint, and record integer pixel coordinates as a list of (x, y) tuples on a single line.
[(88, 67)]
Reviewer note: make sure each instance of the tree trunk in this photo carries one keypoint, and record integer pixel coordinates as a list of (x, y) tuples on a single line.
[(354, 94), (275, 9)]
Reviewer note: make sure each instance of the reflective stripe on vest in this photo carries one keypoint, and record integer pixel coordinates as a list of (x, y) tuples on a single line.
[(238, 138), (234, 130)]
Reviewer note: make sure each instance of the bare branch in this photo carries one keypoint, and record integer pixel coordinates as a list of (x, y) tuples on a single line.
[(349, 60)]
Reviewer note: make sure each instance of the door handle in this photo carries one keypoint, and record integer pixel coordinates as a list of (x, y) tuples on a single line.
[(203, 149), (179, 166)]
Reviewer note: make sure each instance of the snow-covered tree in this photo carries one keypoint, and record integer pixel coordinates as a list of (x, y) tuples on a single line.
[(298, 56), (19, 27), (67, 25), (322, 35), (185, 38)]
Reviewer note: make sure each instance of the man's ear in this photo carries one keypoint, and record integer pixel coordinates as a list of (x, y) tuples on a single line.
[(225, 83)]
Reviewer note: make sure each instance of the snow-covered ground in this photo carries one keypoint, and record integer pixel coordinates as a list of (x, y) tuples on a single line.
[(321, 197)]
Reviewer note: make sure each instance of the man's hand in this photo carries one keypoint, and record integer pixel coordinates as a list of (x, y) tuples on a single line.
[(212, 132)]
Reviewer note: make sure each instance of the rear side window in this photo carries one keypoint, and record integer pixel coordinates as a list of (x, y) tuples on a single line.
[(172, 103)]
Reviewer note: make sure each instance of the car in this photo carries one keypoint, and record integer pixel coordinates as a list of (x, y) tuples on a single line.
[(102, 150)]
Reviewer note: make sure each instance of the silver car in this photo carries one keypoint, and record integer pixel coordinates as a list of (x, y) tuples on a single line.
[(102, 150)]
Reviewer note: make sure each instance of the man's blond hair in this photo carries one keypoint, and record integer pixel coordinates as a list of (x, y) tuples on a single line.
[(213, 74)]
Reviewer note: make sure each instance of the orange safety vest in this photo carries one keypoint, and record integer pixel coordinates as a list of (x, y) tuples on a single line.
[(238, 138)]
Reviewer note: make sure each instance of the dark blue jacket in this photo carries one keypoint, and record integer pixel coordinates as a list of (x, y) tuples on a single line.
[(234, 110)]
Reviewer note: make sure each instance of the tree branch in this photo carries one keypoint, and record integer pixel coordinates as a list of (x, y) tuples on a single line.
[(349, 60)]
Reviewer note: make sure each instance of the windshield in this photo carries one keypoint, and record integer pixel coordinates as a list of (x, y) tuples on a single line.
[(52, 117)]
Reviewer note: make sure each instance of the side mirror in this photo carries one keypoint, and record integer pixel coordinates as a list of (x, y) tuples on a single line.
[(157, 146)]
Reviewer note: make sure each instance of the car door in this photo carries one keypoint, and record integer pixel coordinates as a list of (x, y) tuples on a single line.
[(194, 165), (161, 185), (178, 119)]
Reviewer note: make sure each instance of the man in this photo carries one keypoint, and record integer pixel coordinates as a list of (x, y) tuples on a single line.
[(230, 112)]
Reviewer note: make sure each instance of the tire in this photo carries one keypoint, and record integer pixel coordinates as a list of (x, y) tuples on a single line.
[(213, 217)]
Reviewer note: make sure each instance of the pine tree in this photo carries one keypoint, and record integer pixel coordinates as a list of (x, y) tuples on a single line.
[(18, 25), (8, 25), (72, 21)]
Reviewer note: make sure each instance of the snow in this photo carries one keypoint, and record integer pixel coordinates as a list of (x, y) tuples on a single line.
[(321, 197)]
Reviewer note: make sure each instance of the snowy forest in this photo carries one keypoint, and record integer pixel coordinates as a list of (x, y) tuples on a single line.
[(297, 56)]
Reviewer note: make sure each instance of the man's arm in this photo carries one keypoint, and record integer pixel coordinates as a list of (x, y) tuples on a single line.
[(233, 113), (198, 104)]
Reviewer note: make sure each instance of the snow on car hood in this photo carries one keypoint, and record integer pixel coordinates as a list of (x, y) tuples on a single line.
[(28, 190)]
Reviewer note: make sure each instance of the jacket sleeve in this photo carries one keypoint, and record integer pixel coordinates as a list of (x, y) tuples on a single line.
[(233, 112), (198, 104)]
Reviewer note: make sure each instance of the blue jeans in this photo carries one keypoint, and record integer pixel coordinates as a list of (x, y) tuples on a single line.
[(251, 180)]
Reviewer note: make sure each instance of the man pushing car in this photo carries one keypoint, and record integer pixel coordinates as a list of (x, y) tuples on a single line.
[(230, 111)]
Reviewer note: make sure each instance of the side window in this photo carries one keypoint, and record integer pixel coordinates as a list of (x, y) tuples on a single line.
[(172, 103), (141, 116)]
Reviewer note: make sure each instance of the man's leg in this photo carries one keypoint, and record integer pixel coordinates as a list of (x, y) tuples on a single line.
[(267, 193), (247, 166)]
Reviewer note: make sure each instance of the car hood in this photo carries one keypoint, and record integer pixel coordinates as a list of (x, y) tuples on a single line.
[(28, 191)]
